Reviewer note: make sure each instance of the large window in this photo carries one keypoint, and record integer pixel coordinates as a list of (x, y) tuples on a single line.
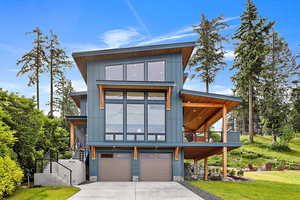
[(143, 115), (114, 72), (135, 72), (156, 71)]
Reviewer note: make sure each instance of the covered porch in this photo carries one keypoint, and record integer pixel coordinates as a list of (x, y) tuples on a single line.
[(200, 111)]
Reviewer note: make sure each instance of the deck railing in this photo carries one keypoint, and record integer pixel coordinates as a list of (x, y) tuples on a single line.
[(211, 136)]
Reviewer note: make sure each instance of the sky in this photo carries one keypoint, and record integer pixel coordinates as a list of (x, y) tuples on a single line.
[(89, 25)]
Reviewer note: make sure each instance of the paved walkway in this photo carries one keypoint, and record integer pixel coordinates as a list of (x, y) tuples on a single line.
[(134, 191)]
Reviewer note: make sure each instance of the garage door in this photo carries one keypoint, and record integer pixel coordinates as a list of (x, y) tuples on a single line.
[(115, 167), (156, 167)]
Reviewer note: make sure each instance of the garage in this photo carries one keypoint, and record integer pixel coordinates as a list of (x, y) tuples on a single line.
[(115, 167), (156, 167)]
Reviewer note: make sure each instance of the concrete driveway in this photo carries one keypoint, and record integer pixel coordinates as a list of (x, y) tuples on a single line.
[(134, 191)]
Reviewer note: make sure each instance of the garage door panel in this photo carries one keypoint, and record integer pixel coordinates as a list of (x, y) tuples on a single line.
[(156, 167), (115, 167)]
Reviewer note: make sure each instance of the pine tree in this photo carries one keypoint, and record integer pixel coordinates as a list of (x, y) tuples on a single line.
[(63, 102), (33, 62), (250, 55), (209, 55), (57, 61), (275, 86)]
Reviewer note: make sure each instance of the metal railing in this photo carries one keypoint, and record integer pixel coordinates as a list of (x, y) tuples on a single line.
[(211, 136)]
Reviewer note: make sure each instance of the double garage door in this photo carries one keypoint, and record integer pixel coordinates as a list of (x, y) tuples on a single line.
[(118, 167)]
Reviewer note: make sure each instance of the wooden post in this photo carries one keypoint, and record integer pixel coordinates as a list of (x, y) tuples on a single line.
[(71, 136), (135, 154), (177, 153), (169, 94), (205, 169), (206, 132), (224, 158), (101, 96), (93, 152)]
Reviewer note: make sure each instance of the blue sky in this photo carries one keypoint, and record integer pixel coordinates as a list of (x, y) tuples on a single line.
[(88, 25)]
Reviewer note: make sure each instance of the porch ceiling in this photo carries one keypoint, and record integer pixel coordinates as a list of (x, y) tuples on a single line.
[(200, 152), (196, 117)]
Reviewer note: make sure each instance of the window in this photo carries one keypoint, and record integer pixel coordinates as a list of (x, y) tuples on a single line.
[(135, 95), (135, 118), (156, 96), (113, 95), (135, 72), (156, 118), (114, 72), (113, 118), (156, 71)]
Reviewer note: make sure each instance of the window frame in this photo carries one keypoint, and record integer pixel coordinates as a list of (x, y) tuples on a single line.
[(158, 60), (107, 66)]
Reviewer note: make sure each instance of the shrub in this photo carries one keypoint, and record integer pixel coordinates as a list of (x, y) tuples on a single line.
[(10, 176), (240, 173), (287, 134), (215, 136), (232, 172), (280, 147)]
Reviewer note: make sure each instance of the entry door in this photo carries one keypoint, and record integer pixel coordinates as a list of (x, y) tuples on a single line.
[(156, 167), (115, 167)]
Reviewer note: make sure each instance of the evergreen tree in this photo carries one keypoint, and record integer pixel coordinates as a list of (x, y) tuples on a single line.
[(209, 55), (57, 61), (275, 86), (250, 55), (63, 102), (33, 62)]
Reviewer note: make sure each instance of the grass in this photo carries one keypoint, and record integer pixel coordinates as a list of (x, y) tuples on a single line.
[(44, 193), (268, 185)]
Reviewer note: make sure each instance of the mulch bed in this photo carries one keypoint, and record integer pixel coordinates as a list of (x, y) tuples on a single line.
[(201, 193)]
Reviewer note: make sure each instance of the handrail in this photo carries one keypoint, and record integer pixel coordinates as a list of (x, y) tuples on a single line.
[(67, 169)]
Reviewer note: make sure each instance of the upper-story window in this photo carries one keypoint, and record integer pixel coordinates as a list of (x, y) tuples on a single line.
[(155, 71), (135, 72), (114, 72)]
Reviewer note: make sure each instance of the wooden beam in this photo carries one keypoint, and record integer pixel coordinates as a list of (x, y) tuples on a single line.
[(224, 162), (93, 152), (205, 169), (135, 154), (177, 153), (224, 124), (203, 105), (169, 95), (101, 96), (212, 119), (72, 136)]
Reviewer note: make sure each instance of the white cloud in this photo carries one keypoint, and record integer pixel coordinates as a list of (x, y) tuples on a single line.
[(229, 55), (79, 85), (227, 19), (120, 37)]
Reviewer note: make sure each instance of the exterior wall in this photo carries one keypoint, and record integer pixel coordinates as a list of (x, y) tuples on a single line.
[(174, 72), (83, 106), (177, 165)]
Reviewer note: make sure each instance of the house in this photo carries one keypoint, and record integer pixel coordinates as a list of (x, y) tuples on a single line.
[(137, 123)]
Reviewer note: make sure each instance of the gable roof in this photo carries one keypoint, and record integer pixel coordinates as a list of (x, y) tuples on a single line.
[(81, 58)]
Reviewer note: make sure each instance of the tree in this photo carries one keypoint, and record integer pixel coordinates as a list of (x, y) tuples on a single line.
[(275, 86), (57, 61), (6, 137), (209, 55), (250, 52), (63, 102), (33, 62)]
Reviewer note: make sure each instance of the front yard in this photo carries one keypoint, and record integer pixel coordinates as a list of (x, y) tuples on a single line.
[(44, 193), (275, 185)]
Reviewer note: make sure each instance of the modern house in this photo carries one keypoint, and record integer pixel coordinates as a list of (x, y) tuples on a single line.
[(137, 123)]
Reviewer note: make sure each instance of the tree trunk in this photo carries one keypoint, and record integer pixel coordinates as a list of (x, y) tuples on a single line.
[(244, 122), (207, 87), (51, 84), (37, 88), (274, 139), (250, 113)]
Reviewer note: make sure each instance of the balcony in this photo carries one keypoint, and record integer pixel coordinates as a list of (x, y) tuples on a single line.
[(211, 137)]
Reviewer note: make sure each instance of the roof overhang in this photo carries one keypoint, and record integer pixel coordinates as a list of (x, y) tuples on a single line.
[(81, 58), (76, 96), (209, 108), (77, 120)]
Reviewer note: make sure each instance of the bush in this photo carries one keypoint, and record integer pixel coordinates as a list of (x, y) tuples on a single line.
[(215, 136), (232, 172), (287, 134), (280, 147), (10, 176), (240, 173)]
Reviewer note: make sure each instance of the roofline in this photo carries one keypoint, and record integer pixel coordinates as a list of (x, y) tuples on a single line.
[(133, 49), (79, 93), (211, 95)]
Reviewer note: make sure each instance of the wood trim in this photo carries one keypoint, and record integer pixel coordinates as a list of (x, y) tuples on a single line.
[(203, 105), (177, 153), (224, 162), (169, 94), (224, 121), (205, 169), (135, 154), (93, 152), (101, 96), (72, 126)]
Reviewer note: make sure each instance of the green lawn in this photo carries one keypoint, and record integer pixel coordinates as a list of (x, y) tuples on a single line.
[(267, 185), (44, 193)]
